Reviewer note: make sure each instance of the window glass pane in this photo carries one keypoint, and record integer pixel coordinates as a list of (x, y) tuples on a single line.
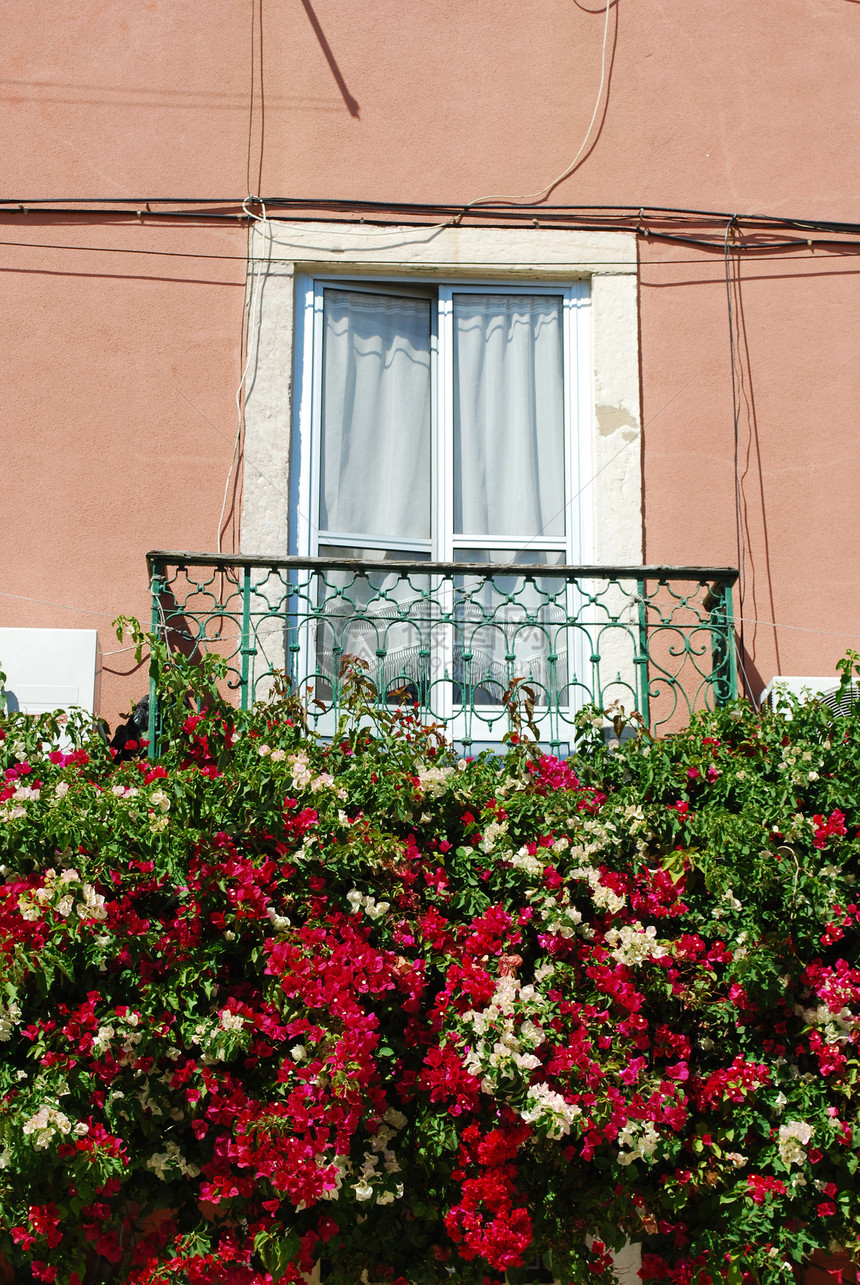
[(375, 438), (382, 621), (508, 415), (511, 627)]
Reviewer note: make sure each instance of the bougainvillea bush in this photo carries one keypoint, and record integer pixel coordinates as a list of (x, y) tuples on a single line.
[(270, 1003)]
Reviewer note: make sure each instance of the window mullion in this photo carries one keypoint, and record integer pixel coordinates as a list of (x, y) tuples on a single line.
[(571, 445), (442, 651), (580, 399), (443, 428)]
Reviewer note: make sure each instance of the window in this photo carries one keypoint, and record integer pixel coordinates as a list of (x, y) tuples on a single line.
[(462, 394), (442, 422)]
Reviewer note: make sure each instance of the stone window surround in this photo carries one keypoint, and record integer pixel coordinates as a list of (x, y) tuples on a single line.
[(280, 251)]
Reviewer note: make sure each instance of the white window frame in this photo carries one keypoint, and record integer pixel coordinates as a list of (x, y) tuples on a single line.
[(444, 545)]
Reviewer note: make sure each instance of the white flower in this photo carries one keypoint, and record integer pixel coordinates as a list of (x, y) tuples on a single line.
[(160, 800), (434, 780), (395, 1118), (730, 897), (263, 750), (93, 904), (61, 789), (101, 1043), (65, 905), (363, 1190), (493, 832), (46, 1122), (278, 756), (298, 1052), (8, 1019), (606, 899), (550, 1108), (735, 1158), (230, 1021), (300, 769), (641, 1139), (634, 944), (793, 1138), (523, 860), (381, 1138), (278, 922)]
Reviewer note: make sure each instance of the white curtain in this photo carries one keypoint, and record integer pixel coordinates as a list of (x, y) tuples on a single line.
[(508, 415), (375, 448), (509, 627), (508, 481)]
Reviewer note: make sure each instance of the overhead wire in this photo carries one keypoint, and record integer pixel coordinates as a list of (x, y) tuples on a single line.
[(716, 246), (247, 310), (250, 352), (736, 433), (750, 620), (533, 198), (19, 205)]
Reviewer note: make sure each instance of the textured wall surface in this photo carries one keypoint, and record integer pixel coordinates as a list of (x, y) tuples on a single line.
[(124, 336)]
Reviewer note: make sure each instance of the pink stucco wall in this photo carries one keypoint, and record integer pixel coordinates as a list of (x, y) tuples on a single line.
[(121, 352)]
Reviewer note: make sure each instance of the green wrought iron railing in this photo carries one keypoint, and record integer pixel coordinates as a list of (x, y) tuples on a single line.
[(455, 639)]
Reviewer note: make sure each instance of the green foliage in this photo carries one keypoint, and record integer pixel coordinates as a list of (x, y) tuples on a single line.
[(272, 1001)]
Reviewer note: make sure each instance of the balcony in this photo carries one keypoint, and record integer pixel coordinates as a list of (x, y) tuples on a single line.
[(458, 640)]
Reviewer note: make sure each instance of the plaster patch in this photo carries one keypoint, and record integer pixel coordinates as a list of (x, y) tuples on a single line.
[(612, 418)]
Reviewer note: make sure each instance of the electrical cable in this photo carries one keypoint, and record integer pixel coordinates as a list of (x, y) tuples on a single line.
[(626, 446), (251, 103), (771, 248), (344, 205), (426, 207), (750, 620), (245, 336), (250, 351), (739, 653), (533, 197), (701, 243), (63, 606), (741, 550)]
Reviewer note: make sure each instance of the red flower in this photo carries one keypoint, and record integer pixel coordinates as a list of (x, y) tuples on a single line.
[(759, 1187)]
